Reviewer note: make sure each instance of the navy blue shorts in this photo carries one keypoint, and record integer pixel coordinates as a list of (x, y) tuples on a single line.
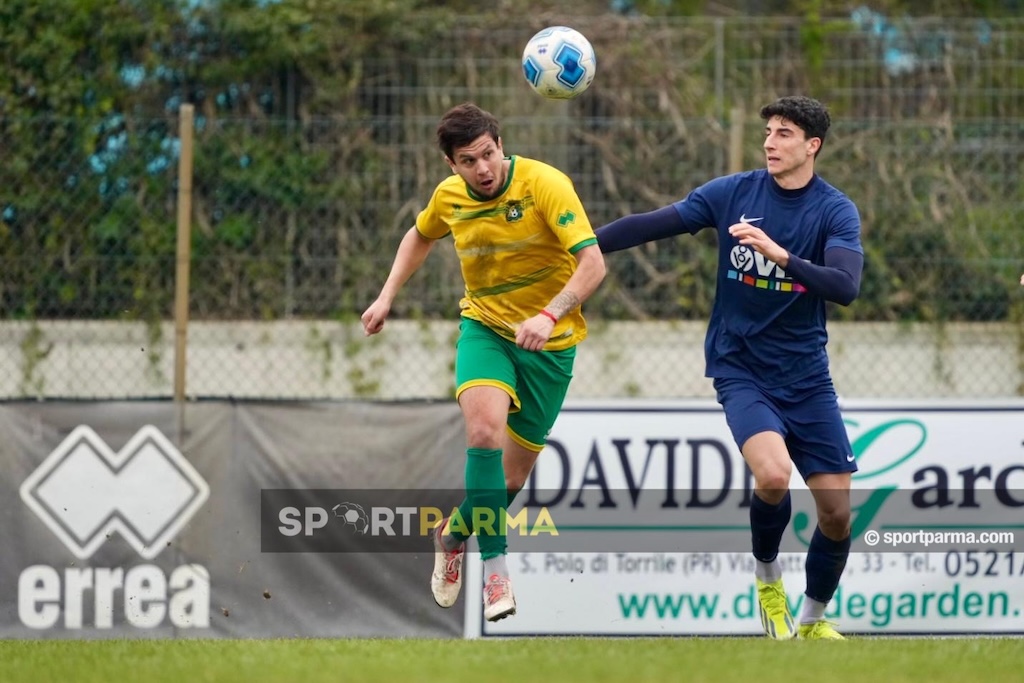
[(807, 416)]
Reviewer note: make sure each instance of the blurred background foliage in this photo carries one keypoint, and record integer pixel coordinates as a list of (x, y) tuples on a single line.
[(314, 144)]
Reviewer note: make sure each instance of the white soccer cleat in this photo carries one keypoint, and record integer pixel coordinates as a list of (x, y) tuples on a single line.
[(446, 581), (498, 599)]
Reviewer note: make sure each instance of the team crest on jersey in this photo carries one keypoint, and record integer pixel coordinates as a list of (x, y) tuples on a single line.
[(513, 210), (456, 210)]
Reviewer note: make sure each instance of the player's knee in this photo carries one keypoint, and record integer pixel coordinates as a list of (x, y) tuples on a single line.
[(835, 523), (773, 482), (481, 434)]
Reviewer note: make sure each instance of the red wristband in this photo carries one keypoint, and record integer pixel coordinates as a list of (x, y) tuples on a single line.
[(545, 312)]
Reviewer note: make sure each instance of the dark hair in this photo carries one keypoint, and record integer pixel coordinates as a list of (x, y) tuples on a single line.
[(810, 114), (463, 124)]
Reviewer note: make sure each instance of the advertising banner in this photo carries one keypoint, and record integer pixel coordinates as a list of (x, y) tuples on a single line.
[(124, 521), (645, 510)]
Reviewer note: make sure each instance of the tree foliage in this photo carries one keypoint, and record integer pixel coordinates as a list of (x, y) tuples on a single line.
[(314, 123)]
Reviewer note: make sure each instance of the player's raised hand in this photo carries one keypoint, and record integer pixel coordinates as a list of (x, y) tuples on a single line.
[(373, 317), (756, 238)]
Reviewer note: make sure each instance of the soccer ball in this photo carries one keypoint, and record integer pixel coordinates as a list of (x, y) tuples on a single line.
[(559, 62)]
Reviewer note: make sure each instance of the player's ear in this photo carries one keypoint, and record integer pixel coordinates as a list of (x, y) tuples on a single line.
[(813, 145)]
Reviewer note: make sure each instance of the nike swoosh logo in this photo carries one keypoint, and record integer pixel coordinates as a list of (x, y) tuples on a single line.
[(744, 219), (849, 458)]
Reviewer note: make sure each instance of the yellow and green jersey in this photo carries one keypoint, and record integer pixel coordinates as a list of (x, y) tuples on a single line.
[(516, 250)]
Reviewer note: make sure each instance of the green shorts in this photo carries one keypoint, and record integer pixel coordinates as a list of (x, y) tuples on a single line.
[(536, 381)]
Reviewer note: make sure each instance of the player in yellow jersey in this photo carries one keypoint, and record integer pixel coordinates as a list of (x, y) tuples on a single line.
[(529, 259)]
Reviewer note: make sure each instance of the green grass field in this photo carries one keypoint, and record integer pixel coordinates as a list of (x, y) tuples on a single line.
[(523, 660)]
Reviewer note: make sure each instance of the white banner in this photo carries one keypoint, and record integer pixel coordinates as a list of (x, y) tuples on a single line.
[(938, 525)]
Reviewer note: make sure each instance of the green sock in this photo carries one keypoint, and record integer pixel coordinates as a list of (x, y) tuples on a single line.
[(452, 539), (483, 510)]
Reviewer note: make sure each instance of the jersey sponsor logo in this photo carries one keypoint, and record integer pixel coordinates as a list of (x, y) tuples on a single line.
[(741, 257), (755, 270), (749, 221)]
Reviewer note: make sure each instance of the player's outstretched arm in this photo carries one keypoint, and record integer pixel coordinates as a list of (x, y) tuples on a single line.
[(411, 254), (638, 228), (535, 332)]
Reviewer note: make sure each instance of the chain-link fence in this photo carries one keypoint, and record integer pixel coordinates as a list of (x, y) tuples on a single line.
[(294, 220)]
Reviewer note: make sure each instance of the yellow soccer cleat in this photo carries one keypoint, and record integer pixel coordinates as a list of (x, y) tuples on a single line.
[(775, 617), (819, 630)]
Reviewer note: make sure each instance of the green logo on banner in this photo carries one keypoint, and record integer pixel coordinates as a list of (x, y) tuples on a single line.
[(866, 452)]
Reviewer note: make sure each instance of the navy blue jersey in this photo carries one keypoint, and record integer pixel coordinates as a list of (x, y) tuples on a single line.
[(764, 325)]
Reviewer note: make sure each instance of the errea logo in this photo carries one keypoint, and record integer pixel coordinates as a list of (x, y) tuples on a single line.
[(84, 492)]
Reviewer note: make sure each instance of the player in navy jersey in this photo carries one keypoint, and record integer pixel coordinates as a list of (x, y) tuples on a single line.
[(788, 242)]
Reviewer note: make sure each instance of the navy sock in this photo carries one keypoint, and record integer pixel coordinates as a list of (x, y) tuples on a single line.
[(826, 560), (767, 524)]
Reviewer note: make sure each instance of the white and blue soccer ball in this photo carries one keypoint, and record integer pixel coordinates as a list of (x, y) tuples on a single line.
[(559, 62)]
